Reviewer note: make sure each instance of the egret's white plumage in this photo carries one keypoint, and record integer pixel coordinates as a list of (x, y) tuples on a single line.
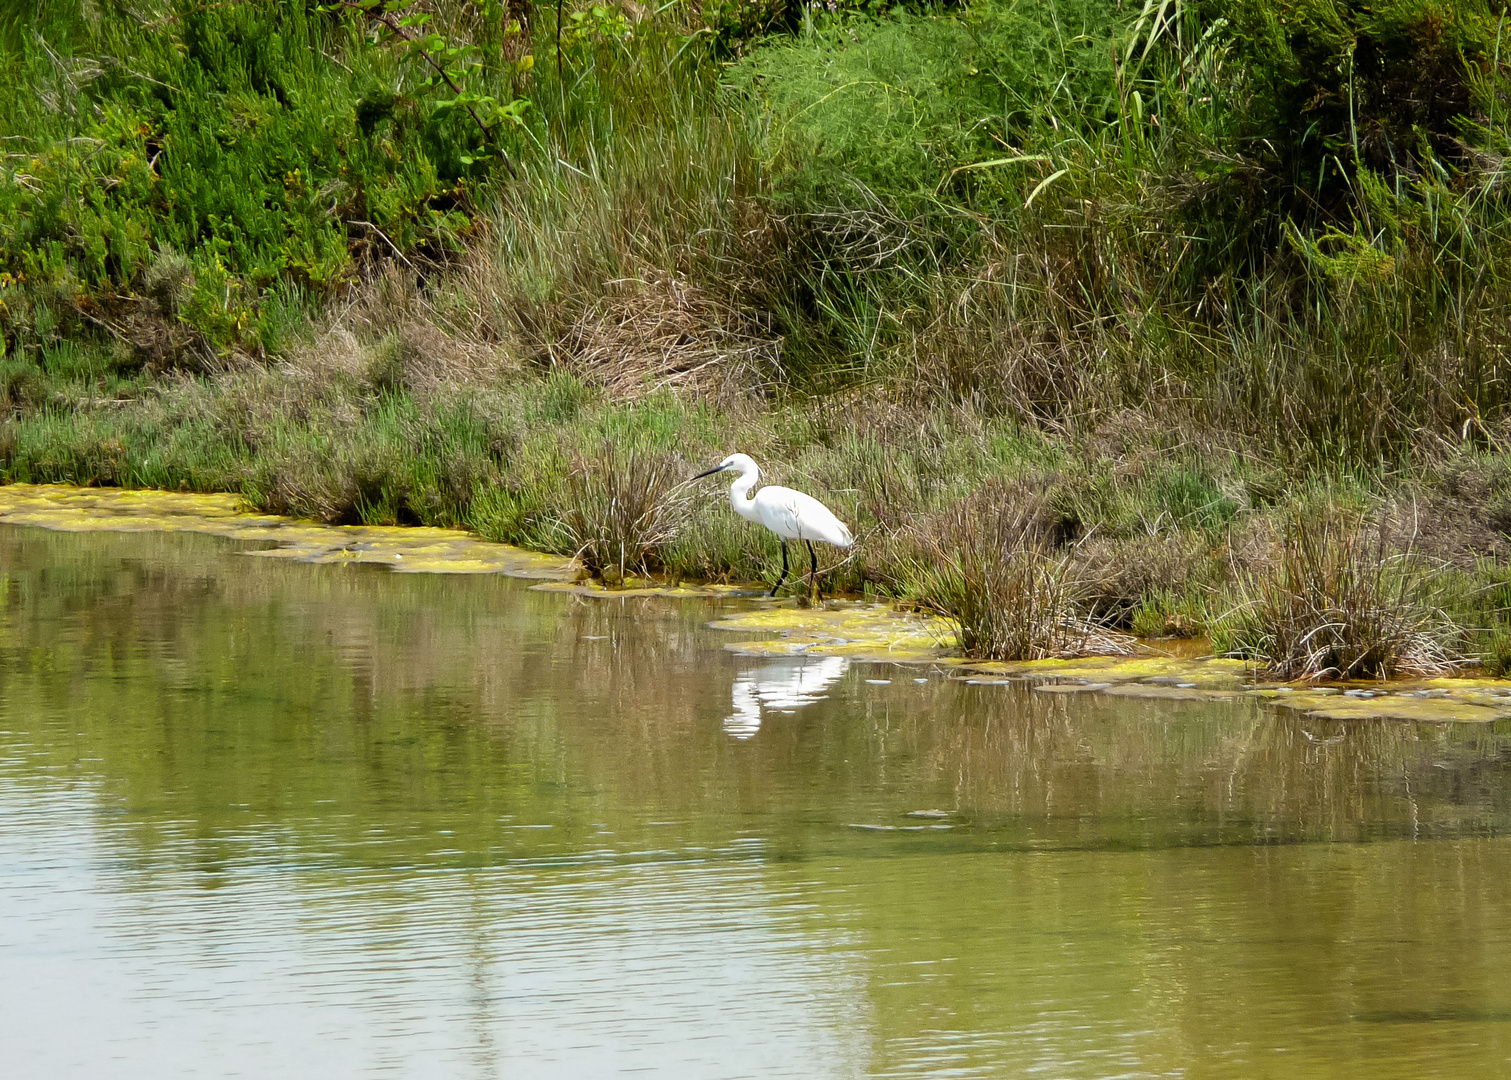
[(790, 514)]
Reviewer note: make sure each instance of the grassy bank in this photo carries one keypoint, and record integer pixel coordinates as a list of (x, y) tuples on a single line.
[(1073, 312)]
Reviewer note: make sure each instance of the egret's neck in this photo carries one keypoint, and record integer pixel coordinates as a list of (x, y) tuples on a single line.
[(739, 493)]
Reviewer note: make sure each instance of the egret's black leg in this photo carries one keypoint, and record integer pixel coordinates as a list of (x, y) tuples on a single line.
[(783, 578), (812, 567)]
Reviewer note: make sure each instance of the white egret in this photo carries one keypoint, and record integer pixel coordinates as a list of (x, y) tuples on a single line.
[(790, 514)]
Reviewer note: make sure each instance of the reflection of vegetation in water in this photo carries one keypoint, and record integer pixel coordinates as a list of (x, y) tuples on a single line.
[(202, 683), (1122, 864), (1219, 957)]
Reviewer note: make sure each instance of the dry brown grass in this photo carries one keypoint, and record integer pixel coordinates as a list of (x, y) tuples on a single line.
[(990, 566), (988, 341), (1338, 601), (648, 335), (621, 510), (396, 333)]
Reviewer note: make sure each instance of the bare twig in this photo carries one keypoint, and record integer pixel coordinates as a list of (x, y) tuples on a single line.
[(403, 34), (384, 237)]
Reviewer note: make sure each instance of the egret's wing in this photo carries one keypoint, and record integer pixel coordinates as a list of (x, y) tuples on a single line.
[(778, 509), (817, 522), (795, 516)]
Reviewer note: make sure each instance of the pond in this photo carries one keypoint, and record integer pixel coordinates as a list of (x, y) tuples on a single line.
[(268, 818)]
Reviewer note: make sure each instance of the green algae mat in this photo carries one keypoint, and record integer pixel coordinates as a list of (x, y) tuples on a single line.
[(401, 548), (857, 630)]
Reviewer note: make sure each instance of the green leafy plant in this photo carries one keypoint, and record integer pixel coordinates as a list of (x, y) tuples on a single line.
[(458, 68), (275, 147)]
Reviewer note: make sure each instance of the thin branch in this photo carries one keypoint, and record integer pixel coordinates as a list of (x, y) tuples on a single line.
[(401, 32), (384, 237)]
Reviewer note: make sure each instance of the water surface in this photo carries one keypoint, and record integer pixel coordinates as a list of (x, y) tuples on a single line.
[(270, 819)]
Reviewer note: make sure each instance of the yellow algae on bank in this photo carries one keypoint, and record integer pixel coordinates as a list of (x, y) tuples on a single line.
[(635, 587), (1209, 673), (71, 509), (401, 548), (1168, 678), (840, 628)]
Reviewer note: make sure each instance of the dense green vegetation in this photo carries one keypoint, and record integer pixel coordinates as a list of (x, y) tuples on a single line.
[(1140, 282)]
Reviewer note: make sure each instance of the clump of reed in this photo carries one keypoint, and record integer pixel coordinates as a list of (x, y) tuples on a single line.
[(620, 511), (1167, 615), (1495, 654), (1338, 601), (990, 565)]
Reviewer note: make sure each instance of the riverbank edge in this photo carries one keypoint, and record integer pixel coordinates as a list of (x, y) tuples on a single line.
[(862, 631)]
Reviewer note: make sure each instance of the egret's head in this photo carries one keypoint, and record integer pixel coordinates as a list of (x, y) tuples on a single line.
[(741, 463)]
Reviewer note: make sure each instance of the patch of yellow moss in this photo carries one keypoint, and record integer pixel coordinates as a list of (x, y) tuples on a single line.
[(1171, 678), (401, 548), (1154, 669), (840, 628), (642, 587)]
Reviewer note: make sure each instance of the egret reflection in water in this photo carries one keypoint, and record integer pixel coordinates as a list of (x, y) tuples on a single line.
[(274, 819), (780, 685)]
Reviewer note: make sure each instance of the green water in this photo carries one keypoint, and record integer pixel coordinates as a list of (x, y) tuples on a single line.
[(268, 819)]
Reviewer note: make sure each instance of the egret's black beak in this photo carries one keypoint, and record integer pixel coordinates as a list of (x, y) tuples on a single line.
[(710, 472)]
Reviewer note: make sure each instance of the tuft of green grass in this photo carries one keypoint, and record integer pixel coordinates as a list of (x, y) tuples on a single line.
[(1495, 654), (1165, 615)]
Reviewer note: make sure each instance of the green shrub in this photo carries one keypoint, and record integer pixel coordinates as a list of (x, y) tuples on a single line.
[(897, 103), (198, 156), (1382, 84)]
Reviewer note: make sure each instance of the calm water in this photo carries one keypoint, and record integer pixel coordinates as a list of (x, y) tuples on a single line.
[(269, 819)]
